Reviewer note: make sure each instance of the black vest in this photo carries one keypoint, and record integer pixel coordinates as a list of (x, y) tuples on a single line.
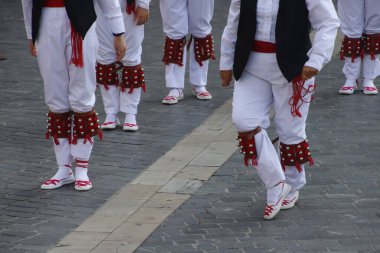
[(292, 36), (80, 12)]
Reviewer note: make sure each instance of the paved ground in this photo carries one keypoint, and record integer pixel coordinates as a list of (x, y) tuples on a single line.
[(338, 210), (32, 220)]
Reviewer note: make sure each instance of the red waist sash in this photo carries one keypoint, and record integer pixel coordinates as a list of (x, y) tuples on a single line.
[(263, 47), (54, 3)]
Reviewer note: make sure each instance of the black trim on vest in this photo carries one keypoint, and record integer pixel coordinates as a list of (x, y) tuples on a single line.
[(81, 13), (292, 36)]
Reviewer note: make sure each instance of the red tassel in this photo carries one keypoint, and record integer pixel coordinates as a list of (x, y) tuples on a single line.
[(47, 136), (74, 141), (143, 87), (77, 48), (254, 162), (131, 88), (131, 8), (246, 160), (311, 161), (299, 93), (56, 141), (341, 56), (106, 87), (298, 166), (353, 58), (122, 89), (373, 57), (100, 134)]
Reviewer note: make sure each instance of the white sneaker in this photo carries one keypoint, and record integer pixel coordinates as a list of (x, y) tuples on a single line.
[(81, 185), (130, 127), (271, 210), (53, 183), (370, 90), (290, 201), (171, 100), (202, 95), (110, 125)]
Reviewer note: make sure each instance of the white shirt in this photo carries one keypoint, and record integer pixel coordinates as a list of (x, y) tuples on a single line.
[(110, 8), (322, 16)]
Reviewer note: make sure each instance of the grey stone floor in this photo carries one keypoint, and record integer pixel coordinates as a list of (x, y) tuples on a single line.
[(32, 220)]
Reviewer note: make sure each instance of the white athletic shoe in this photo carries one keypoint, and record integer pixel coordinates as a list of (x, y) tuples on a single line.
[(203, 95), (271, 210), (370, 90), (130, 127), (81, 185), (53, 183), (110, 125), (290, 201), (171, 100)]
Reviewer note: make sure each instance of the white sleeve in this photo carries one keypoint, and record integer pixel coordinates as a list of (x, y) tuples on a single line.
[(229, 37), (144, 4), (325, 22), (111, 10), (27, 6)]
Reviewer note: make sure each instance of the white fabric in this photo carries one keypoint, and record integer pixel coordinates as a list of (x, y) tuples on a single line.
[(358, 17), (322, 16), (66, 87), (110, 8), (63, 152), (81, 150), (180, 18), (262, 86)]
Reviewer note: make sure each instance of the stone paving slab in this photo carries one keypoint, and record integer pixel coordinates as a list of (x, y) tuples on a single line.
[(32, 220)]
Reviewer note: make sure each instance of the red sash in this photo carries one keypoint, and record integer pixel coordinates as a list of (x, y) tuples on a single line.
[(54, 3), (263, 47)]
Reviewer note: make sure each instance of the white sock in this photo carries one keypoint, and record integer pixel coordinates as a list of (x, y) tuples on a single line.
[(111, 117), (292, 194), (350, 83), (175, 92), (273, 193), (81, 170), (130, 118), (368, 83), (199, 89), (63, 172)]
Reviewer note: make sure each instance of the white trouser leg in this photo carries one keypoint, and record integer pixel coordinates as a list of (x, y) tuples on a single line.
[(372, 17), (371, 69), (291, 130), (81, 150), (54, 35), (352, 70), (252, 100), (200, 15), (129, 102), (82, 83), (62, 152), (351, 15), (110, 98), (175, 22)]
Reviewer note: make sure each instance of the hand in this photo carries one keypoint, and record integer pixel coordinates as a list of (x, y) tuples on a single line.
[(141, 16), (226, 76), (32, 48), (120, 47), (308, 72)]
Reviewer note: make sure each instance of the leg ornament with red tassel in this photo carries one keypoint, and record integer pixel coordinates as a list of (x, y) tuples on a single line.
[(372, 44), (248, 146), (86, 125), (106, 75), (59, 126), (295, 155), (352, 47), (204, 49), (133, 78), (173, 51)]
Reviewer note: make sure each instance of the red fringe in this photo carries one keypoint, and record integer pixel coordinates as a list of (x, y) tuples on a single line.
[(77, 48), (131, 8), (299, 94)]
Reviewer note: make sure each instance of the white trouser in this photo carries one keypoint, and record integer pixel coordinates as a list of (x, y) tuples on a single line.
[(358, 17), (113, 99), (66, 87), (180, 18), (261, 86)]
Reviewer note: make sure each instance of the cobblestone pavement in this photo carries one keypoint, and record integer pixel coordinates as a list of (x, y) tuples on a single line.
[(32, 220), (338, 210)]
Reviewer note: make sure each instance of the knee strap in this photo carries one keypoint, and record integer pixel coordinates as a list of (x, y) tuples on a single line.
[(247, 145), (86, 125), (173, 51), (204, 49), (372, 44), (351, 47), (59, 126), (295, 155), (133, 77), (107, 74)]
